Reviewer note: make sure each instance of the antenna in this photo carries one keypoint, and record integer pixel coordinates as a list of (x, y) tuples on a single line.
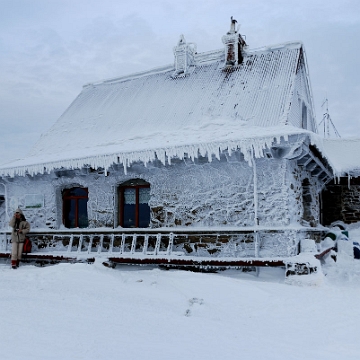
[(327, 122)]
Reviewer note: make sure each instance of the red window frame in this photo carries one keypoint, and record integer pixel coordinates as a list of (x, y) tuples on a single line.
[(66, 197), (121, 191)]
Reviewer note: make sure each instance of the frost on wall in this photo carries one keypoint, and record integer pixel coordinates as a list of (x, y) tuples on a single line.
[(185, 193), (101, 204), (221, 194), (304, 200), (271, 189), (19, 188), (212, 194), (278, 244)]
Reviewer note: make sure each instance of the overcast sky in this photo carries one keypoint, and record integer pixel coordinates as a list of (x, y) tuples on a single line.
[(50, 48)]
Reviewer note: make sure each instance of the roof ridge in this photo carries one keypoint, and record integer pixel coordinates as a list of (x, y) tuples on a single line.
[(200, 58)]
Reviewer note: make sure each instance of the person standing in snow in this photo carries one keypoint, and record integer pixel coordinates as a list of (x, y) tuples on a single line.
[(20, 228)]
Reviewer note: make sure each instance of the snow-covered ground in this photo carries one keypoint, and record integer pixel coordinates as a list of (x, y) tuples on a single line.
[(81, 311)]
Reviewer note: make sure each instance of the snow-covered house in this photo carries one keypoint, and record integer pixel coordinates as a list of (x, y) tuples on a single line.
[(219, 151)]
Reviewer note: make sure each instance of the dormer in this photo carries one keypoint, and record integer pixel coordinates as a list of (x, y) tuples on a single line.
[(184, 56), (234, 45)]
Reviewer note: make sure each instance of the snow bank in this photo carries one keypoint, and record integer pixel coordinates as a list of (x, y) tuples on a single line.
[(88, 311)]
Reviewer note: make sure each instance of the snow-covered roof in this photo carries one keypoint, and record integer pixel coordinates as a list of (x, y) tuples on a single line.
[(204, 109), (343, 154)]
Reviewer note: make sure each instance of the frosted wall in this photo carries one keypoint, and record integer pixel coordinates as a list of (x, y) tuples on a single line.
[(220, 193), (304, 198)]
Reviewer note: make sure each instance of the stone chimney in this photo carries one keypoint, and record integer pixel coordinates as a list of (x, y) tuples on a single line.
[(234, 45), (184, 56)]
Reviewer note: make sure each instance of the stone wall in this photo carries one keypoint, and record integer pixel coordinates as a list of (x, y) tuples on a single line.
[(186, 193), (211, 194), (304, 196), (341, 201)]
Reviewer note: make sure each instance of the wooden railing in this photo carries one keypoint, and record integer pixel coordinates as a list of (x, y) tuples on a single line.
[(213, 243)]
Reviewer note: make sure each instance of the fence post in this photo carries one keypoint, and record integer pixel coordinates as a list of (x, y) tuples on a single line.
[(80, 243), (146, 243), (256, 236), (157, 245), (133, 244), (122, 248), (111, 243), (70, 243), (171, 242)]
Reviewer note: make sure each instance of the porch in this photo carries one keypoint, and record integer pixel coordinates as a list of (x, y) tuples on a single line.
[(184, 248)]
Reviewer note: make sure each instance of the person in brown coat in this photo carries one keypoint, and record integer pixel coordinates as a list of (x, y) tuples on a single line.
[(20, 228)]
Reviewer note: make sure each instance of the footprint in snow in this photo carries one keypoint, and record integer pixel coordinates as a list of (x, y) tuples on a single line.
[(191, 303), (196, 301)]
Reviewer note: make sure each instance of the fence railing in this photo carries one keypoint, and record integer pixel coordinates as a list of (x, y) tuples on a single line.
[(168, 242)]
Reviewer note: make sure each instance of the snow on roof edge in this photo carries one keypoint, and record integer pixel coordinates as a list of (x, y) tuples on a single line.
[(338, 167), (252, 147), (343, 155)]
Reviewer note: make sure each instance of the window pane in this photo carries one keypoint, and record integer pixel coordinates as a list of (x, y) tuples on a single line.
[(130, 196), (144, 209), (129, 219), (144, 215), (82, 213), (69, 213), (144, 195), (129, 215)]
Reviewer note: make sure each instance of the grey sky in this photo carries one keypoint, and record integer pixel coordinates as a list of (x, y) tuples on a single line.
[(49, 49)]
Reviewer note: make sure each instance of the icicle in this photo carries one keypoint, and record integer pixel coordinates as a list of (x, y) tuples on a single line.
[(254, 145)]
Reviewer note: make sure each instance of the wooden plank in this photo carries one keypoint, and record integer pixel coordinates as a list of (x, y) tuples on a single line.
[(193, 262), (323, 253), (49, 257)]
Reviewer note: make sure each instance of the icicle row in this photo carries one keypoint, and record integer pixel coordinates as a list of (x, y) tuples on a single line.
[(254, 146)]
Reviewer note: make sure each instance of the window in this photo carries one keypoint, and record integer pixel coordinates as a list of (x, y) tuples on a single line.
[(134, 210), (304, 116), (75, 207)]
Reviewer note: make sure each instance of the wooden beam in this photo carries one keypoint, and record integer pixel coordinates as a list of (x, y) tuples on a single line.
[(193, 262)]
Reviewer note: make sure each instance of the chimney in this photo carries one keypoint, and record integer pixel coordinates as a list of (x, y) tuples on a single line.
[(234, 45), (184, 56)]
